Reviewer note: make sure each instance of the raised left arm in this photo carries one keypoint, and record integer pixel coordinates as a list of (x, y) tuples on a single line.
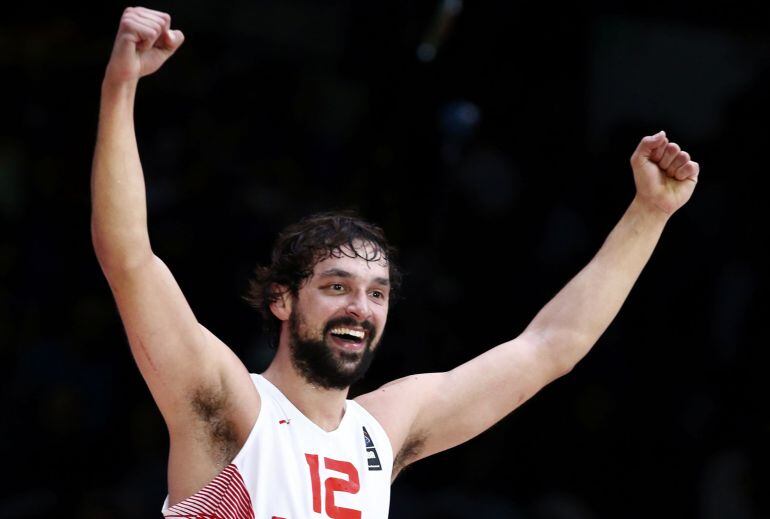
[(425, 414)]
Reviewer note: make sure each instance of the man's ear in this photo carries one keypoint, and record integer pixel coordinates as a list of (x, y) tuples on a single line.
[(281, 307)]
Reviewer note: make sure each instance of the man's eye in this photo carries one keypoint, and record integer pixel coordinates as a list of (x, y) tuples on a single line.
[(377, 294), (336, 287)]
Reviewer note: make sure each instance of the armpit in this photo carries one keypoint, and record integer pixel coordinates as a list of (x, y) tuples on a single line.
[(211, 407), (409, 452)]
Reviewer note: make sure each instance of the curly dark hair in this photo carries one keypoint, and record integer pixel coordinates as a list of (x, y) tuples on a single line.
[(300, 246)]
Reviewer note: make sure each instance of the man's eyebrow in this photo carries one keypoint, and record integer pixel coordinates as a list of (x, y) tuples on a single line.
[(339, 273), (335, 273)]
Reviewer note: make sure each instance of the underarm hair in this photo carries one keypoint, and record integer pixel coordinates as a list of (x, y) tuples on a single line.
[(211, 406), (409, 451)]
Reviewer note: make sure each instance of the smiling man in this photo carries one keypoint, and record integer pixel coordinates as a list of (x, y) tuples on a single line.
[(334, 325), (288, 443)]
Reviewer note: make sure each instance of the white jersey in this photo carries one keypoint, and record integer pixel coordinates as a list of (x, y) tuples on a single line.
[(289, 468)]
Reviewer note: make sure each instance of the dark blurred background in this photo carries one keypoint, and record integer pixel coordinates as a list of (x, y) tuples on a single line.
[(491, 141)]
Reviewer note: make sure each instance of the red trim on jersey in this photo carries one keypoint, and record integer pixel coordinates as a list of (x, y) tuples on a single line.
[(225, 497)]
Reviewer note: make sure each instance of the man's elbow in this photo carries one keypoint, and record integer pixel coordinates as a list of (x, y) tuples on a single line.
[(565, 369), (566, 353), (572, 355), (117, 254)]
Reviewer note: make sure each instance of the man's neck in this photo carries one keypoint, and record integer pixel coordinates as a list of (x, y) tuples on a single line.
[(324, 407)]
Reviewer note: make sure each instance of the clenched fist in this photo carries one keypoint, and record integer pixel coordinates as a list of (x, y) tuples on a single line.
[(665, 176), (144, 42)]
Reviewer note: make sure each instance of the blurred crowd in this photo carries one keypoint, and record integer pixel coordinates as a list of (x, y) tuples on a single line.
[(492, 145)]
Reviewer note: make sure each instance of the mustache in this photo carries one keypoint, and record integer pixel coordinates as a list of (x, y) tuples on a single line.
[(350, 322)]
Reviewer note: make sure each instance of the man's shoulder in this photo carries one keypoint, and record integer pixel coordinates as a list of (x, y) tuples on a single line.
[(396, 404), (402, 392)]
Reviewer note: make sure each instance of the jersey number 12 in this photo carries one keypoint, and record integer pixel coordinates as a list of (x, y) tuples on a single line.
[(332, 485)]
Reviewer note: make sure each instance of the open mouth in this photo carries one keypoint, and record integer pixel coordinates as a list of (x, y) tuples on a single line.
[(348, 338)]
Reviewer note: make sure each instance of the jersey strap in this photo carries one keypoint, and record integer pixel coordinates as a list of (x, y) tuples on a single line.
[(225, 497)]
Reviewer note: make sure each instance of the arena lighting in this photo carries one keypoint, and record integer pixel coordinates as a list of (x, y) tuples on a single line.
[(440, 25)]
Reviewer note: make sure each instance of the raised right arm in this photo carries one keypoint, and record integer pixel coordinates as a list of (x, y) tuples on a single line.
[(194, 378)]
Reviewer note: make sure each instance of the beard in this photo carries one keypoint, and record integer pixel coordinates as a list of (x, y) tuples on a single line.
[(323, 365)]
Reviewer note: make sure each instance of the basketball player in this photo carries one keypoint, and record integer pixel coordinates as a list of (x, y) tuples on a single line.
[(287, 443)]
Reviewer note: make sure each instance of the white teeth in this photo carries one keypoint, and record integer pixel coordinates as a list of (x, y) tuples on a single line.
[(348, 331)]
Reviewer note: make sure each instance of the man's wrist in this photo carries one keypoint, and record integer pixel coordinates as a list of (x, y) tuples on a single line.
[(647, 212), (118, 88)]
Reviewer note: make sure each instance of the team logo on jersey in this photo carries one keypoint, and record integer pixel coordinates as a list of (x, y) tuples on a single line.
[(374, 460)]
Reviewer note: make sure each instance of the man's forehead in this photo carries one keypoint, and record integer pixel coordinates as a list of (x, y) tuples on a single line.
[(357, 266)]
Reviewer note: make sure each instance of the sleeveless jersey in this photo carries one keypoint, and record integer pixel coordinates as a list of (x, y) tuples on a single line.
[(289, 468)]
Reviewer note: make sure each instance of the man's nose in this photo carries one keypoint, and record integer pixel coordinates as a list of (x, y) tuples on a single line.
[(358, 305)]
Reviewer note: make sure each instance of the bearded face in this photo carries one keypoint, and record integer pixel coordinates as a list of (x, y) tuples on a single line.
[(333, 323), (334, 357)]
